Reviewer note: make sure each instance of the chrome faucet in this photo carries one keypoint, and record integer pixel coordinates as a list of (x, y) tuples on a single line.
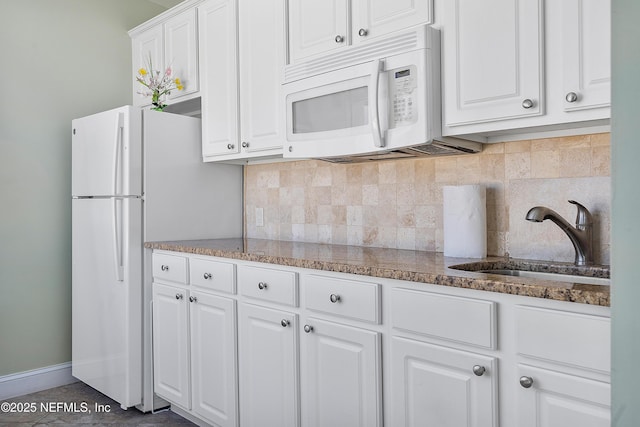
[(581, 235)]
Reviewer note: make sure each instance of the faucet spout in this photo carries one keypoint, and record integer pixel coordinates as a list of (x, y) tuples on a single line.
[(581, 235)]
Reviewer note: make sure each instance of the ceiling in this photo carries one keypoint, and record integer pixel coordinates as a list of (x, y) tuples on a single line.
[(166, 3)]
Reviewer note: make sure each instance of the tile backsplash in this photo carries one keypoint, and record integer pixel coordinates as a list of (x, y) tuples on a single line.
[(398, 203)]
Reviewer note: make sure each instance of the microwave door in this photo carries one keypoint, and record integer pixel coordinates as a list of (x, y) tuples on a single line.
[(331, 114)]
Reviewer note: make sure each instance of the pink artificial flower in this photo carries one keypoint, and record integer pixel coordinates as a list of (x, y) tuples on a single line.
[(168, 71)]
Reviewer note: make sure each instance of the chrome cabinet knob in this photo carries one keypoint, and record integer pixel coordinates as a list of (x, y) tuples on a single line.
[(179, 296), (164, 268), (308, 328), (571, 97), (245, 144), (262, 286), (527, 103), (526, 382), (193, 299), (479, 370), (339, 39), (362, 32), (291, 148), (334, 298), (285, 323), (206, 276), (230, 146)]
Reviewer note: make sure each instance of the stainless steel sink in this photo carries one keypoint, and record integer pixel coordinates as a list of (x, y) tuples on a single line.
[(560, 272), (559, 277)]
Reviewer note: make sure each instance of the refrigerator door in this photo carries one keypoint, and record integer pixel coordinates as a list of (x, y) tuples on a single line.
[(106, 151), (107, 296)]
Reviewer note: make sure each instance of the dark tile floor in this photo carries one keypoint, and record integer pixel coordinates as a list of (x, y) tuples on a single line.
[(75, 405)]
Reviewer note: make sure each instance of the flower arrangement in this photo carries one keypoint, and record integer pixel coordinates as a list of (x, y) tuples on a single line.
[(157, 85)]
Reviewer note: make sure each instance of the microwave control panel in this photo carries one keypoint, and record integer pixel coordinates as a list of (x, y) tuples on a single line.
[(402, 94)]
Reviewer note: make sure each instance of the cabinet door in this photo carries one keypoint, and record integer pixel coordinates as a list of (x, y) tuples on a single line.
[(268, 367), (261, 61), (492, 60), (560, 400), (341, 375), (218, 54), (317, 26), (586, 54), (171, 344), (181, 51), (373, 18), (146, 46), (438, 386), (213, 358)]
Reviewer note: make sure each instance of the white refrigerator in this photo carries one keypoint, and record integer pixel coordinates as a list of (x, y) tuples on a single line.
[(137, 175)]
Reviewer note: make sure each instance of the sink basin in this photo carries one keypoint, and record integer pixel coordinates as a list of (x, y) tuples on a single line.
[(592, 275), (559, 277)]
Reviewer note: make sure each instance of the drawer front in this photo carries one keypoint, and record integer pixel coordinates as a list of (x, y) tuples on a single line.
[(345, 298), (171, 268), (463, 320), (574, 339), (268, 284), (215, 275)]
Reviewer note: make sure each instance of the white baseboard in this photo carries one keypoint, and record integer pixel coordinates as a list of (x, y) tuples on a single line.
[(22, 383)]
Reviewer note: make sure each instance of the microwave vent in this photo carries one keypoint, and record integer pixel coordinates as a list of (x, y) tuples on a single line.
[(447, 147)]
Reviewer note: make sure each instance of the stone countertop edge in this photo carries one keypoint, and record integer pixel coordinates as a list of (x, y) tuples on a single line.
[(398, 264)]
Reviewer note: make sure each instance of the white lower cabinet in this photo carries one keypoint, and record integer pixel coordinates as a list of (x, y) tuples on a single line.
[(548, 398), (432, 385), (213, 358), (268, 367), (171, 379), (309, 350), (341, 373), (194, 347), (564, 360)]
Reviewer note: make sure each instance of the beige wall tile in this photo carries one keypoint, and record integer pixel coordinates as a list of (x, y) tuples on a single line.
[(600, 139), (399, 203), (517, 165), (575, 162), (545, 164), (518, 147)]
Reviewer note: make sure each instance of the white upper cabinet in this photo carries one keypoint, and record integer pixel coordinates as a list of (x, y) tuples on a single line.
[(147, 47), (217, 29), (324, 26), (168, 40), (262, 47), (373, 18), (181, 51), (492, 60), (317, 26), (586, 54), (242, 47), (514, 66)]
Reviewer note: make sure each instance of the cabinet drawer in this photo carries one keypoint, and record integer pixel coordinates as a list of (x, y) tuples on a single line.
[(346, 298), (210, 274), (169, 267), (464, 320), (268, 284), (574, 339)]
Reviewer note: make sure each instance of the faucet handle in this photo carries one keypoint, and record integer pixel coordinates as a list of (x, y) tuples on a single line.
[(583, 218)]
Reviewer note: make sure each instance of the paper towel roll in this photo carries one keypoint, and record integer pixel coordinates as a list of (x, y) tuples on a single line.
[(465, 221)]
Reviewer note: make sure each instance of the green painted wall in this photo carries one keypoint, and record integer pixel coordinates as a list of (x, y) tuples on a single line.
[(59, 59), (625, 210)]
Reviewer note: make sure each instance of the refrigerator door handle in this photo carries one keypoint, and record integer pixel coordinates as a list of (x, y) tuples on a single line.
[(116, 228), (117, 152)]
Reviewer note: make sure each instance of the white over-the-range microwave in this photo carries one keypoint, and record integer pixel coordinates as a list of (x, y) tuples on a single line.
[(369, 102)]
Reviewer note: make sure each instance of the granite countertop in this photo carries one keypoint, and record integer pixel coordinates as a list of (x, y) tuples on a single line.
[(415, 266)]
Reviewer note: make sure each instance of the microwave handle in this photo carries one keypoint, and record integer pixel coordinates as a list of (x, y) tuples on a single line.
[(374, 118)]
